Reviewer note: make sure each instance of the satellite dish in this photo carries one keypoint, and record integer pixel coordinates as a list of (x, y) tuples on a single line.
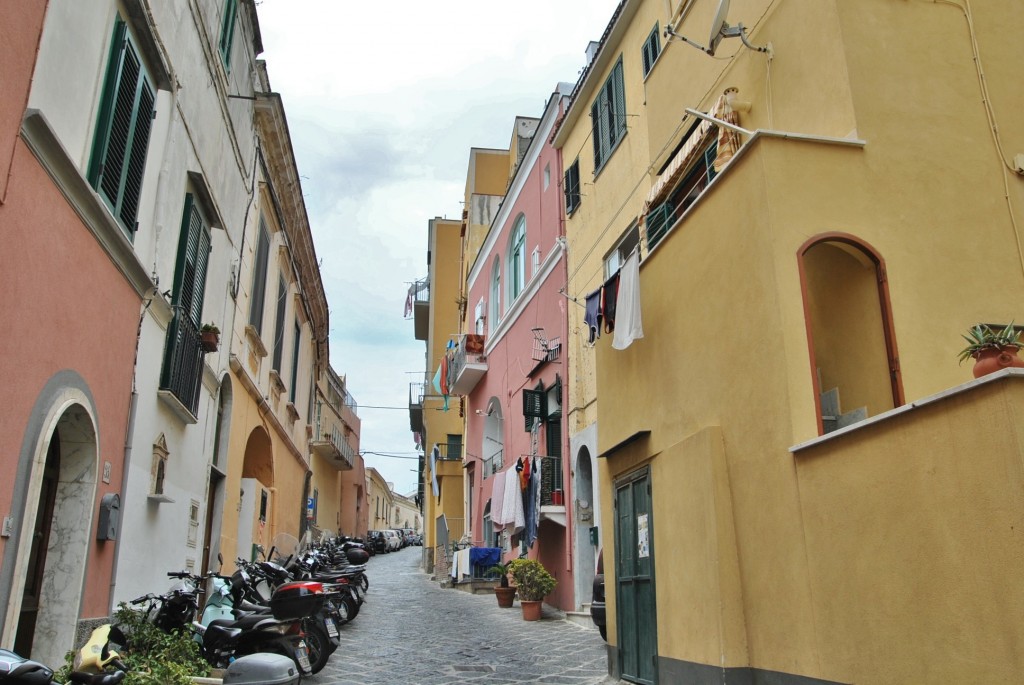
[(718, 26), (720, 29)]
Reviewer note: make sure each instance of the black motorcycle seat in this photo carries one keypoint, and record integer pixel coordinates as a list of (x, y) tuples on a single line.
[(243, 622), (80, 678), (252, 608)]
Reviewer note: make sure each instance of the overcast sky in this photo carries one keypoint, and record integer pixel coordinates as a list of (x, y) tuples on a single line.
[(384, 101)]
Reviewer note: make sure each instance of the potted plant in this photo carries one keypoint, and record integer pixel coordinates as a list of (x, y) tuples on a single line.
[(503, 592), (992, 348), (209, 337), (534, 583)]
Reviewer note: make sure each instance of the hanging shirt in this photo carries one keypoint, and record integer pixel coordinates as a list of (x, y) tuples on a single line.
[(609, 300), (630, 326), (592, 317)]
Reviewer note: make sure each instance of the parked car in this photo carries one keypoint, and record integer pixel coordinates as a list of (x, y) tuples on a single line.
[(418, 539), (597, 608), (393, 541), (376, 541), (410, 536)]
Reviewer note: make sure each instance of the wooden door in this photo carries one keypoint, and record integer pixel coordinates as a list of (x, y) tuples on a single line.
[(636, 611)]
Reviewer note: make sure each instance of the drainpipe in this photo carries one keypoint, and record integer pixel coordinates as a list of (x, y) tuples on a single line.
[(133, 402)]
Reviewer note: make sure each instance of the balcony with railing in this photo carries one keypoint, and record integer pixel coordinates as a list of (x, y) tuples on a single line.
[(468, 365), (329, 439), (416, 394), (419, 293), (182, 372), (552, 495)]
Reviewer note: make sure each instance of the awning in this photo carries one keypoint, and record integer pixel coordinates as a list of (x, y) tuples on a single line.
[(728, 143)]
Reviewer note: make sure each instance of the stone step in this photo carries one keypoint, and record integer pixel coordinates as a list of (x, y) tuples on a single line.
[(581, 618)]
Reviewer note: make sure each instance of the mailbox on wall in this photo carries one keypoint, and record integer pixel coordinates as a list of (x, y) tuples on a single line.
[(110, 510)]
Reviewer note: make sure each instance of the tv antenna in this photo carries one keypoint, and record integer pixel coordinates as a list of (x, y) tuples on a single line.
[(720, 29)]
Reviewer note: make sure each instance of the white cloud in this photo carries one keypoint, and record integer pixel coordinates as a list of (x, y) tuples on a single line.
[(384, 101)]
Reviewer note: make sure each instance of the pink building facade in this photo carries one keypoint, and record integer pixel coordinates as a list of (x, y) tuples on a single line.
[(514, 412), (69, 319)]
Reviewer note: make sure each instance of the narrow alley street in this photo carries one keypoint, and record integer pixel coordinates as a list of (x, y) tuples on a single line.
[(413, 632)]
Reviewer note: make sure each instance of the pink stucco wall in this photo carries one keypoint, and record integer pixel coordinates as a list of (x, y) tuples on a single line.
[(65, 306), (510, 362)]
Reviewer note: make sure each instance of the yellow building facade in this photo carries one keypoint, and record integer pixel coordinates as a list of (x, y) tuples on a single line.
[(790, 489), (278, 349)]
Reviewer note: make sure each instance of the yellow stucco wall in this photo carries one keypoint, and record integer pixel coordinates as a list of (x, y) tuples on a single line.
[(445, 246), (750, 570)]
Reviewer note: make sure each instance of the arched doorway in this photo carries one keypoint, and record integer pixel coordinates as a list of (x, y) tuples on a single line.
[(584, 509), (255, 514), (54, 549), (850, 336)]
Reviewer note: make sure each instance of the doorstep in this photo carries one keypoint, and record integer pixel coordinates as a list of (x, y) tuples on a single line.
[(580, 618)]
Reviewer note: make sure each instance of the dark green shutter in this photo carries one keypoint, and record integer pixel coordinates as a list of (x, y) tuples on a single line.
[(596, 133), (282, 295), (193, 257), (259, 278), (227, 32), (122, 132), (618, 105), (295, 364)]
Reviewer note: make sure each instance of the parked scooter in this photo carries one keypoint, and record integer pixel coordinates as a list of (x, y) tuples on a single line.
[(226, 634), (96, 663)]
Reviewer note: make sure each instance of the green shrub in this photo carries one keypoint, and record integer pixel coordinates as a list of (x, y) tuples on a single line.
[(152, 656)]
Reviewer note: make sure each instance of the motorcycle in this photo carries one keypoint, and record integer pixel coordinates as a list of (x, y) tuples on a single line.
[(91, 666), (225, 634)]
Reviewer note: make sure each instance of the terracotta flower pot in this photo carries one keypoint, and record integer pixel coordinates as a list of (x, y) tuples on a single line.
[(209, 341), (992, 359), (531, 609), (505, 595)]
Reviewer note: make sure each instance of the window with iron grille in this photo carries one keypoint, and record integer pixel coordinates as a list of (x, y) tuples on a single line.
[(651, 50), (182, 368), (608, 117), (126, 114), (572, 187)]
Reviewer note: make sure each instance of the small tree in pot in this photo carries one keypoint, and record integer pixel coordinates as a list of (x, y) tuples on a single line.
[(503, 592), (534, 583)]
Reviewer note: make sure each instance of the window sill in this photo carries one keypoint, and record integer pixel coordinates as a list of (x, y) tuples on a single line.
[(175, 405), (276, 381), (252, 336), (293, 413), (611, 153), (159, 499)]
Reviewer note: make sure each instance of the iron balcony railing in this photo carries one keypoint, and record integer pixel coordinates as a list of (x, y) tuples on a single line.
[(550, 480), (182, 372), (493, 463), (449, 451)]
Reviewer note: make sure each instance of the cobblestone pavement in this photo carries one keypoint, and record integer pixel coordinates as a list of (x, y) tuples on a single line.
[(413, 632)]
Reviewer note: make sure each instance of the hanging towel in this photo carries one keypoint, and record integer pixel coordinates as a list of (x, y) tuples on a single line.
[(592, 317), (513, 504), (609, 302), (630, 326), (497, 500), (434, 455)]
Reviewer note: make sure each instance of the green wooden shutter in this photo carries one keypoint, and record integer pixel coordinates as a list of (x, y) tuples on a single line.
[(597, 133), (259, 278), (123, 128), (282, 295), (295, 363), (227, 32), (618, 104), (193, 257)]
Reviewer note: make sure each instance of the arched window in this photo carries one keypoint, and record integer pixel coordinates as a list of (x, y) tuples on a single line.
[(854, 362), (517, 259), (495, 293)]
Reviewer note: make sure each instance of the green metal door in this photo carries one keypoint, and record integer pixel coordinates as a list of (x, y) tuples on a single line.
[(634, 579)]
